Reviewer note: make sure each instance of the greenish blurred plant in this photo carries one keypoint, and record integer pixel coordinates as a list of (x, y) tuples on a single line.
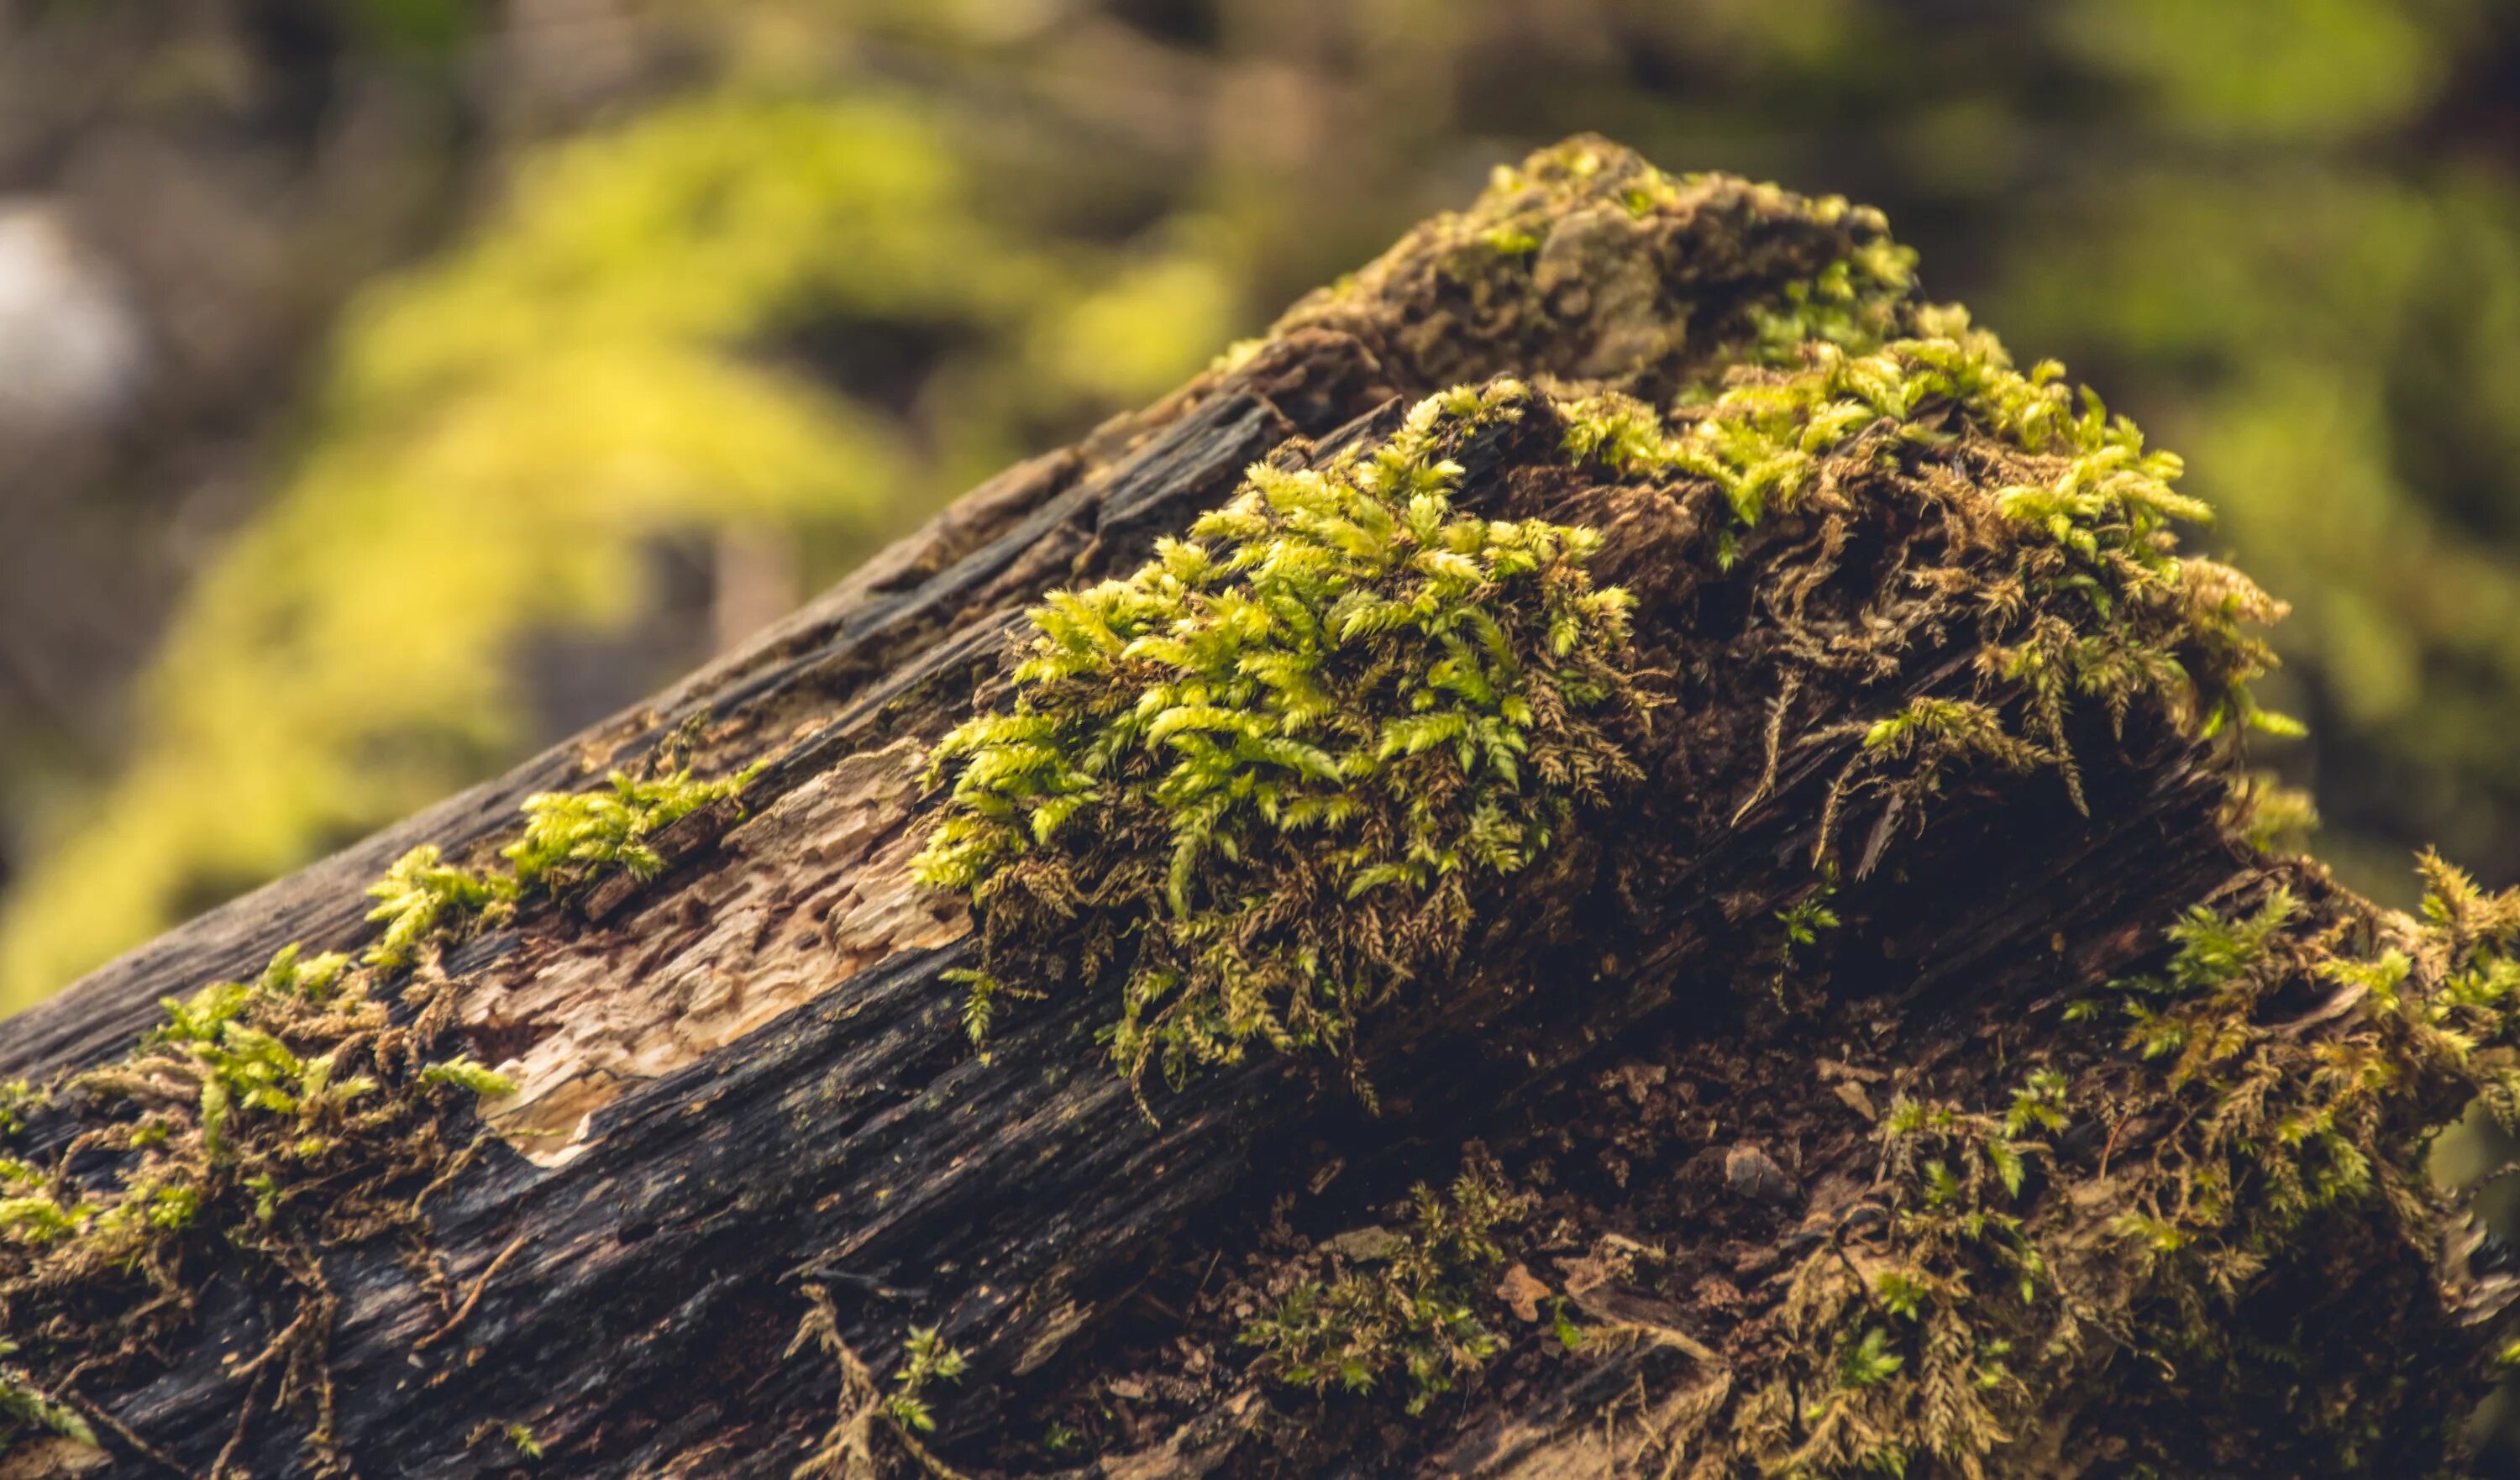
[(506, 432)]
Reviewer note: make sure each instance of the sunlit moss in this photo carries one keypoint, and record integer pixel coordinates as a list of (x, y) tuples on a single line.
[(1269, 773), (570, 839), (2333, 347), (2097, 603)]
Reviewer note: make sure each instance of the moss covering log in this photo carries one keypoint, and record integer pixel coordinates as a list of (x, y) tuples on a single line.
[(1741, 778)]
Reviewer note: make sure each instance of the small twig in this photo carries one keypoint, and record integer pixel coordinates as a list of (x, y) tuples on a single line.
[(1776, 711), (2109, 1146), (472, 1299), (455, 1165)]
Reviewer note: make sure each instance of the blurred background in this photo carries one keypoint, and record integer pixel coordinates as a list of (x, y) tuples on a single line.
[(388, 387)]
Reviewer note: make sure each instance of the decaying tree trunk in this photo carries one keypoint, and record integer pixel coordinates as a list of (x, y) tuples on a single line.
[(750, 1149)]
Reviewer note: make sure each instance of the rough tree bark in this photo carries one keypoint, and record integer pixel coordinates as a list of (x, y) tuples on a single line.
[(744, 1094)]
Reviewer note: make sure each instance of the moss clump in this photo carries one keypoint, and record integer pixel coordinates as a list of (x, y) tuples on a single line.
[(2058, 538), (266, 1122), (570, 838), (420, 894), (1408, 1315), (262, 1123), (2266, 1103), (1588, 263), (1270, 775)]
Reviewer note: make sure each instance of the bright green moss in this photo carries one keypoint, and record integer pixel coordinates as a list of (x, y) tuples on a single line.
[(2088, 600), (1856, 303), (570, 837), (924, 1358), (1268, 775), (419, 893), (1764, 439)]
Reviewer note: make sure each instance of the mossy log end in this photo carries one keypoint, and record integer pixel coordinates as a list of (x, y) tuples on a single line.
[(1781, 1056)]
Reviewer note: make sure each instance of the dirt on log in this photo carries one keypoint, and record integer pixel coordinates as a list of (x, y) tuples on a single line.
[(1833, 1097)]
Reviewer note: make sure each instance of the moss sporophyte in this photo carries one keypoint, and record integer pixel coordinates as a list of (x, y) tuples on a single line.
[(264, 1123)]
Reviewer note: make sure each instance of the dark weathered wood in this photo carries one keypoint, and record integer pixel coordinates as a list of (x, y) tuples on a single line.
[(639, 1324), (860, 1144), (639, 1277)]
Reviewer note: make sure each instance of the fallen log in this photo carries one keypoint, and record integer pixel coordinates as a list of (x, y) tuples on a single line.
[(1773, 1062)]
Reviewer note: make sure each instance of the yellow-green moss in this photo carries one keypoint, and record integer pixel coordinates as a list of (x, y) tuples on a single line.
[(1405, 1311), (265, 1122), (1269, 775), (2271, 1090)]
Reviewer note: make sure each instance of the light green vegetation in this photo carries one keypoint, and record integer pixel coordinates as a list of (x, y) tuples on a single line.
[(261, 1123), (2067, 564), (265, 1122), (924, 1358), (1406, 1313), (570, 838), (1270, 773), (2104, 506)]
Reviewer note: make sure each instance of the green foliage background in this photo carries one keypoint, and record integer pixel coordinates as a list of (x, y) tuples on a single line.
[(806, 268)]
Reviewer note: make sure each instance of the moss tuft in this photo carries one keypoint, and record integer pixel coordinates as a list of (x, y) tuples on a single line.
[(1269, 775), (260, 1124), (1409, 1314), (1586, 263), (264, 1123), (570, 838), (2265, 1104), (2078, 591)]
